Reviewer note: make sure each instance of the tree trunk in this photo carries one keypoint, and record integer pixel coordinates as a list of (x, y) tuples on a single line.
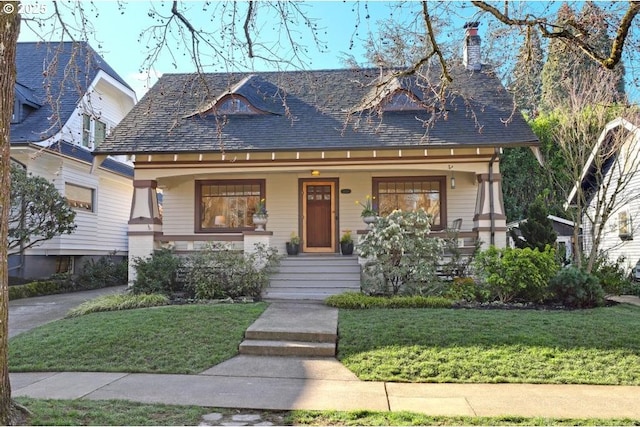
[(9, 28)]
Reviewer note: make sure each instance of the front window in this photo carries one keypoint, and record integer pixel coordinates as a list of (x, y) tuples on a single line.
[(227, 205), (410, 194), (79, 198)]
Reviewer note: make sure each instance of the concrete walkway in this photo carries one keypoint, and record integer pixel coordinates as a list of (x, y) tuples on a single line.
[(285, 383)]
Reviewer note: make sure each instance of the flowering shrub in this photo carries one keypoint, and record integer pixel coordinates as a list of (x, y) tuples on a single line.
[(401, 255)]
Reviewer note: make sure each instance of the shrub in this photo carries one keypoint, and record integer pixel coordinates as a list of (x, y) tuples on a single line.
[(466, 289), (356, 300), (34, 289), (157, 273), (218, 271), (516, 274), (574, 287), (102, 273), (400, 254), (118, 302), (614, 276)]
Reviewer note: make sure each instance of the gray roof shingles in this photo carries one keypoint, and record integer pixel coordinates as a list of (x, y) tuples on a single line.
[(322, 113)]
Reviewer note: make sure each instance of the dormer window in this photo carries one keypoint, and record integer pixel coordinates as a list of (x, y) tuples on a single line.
[(234, 105), (401, 101)]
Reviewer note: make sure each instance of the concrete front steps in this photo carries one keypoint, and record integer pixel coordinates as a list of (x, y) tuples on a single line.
[(314, 277), (286, 329)]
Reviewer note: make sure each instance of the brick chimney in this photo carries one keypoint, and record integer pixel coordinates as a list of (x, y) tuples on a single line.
[(471, 49)]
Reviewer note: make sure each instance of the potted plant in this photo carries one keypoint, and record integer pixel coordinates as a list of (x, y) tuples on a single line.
[(260, 217), (346, 243), (293, 245), (368, 214)]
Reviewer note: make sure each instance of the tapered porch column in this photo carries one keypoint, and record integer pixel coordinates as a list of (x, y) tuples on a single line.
[(489, 220), (145, 223)]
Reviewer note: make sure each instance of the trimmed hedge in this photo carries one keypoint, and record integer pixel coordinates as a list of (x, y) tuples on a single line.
[(39, 288), (355, 300)]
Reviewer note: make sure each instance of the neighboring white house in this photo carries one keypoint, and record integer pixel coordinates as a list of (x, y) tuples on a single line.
[(67, 101), (612, 176)]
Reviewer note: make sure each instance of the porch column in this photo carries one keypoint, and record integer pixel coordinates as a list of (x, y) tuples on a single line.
[(145, 223), (489, 220)]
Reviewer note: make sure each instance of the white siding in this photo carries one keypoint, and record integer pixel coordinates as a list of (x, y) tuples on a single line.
[(629, 200)]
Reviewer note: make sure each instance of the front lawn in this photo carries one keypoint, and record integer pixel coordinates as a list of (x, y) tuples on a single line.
[(598, 346), (174, 339)]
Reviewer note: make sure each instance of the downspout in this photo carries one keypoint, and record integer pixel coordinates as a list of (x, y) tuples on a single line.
[(492, 240)]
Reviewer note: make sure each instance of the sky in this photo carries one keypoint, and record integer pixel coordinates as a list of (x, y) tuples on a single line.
[(117, 32), (341, 27)]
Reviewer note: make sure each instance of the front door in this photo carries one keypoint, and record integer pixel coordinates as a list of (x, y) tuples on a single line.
[(319, 216)]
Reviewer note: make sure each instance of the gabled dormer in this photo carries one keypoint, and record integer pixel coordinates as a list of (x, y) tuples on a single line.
[(401, 100), (24, 103), (392, 94), (253, 95)]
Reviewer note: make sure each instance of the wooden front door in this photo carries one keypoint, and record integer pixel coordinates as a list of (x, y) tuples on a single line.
[(319, 216)]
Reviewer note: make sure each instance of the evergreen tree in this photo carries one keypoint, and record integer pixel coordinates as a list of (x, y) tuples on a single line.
[(567, 77), (537, 230), (527, 75)]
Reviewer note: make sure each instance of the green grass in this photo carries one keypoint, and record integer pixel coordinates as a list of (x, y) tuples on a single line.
[(109, 413), (121, 413), (118, 302), (174, 339), (599, 346)]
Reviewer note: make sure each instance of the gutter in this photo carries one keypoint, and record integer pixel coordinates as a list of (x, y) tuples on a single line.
[(492, 240)]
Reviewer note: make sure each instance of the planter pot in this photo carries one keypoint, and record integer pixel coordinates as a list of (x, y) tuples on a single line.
[(346, 248), (260, 221), (293, 248), (369, 220)]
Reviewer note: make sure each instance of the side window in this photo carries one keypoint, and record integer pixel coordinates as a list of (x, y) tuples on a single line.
[(100, 133), (79, 198), (86, 130)]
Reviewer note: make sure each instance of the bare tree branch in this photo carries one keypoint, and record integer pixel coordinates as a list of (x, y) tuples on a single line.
[(554, 31)]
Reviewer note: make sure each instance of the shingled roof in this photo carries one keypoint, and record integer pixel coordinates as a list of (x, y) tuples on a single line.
[(68, 68), (326, 110)]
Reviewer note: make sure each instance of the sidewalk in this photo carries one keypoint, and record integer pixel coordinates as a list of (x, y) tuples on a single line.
[(287, 383), (296, 383)]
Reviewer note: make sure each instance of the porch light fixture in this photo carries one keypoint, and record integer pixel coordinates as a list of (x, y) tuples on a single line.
[(453, 177), (315, 172)]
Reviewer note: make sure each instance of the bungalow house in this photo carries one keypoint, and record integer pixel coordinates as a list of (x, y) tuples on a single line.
[(611, 180), (313, 144), (67, 100)]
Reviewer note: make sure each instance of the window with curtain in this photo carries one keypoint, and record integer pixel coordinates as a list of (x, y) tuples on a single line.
[(410, 194), (79, 198), (227, 205)]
